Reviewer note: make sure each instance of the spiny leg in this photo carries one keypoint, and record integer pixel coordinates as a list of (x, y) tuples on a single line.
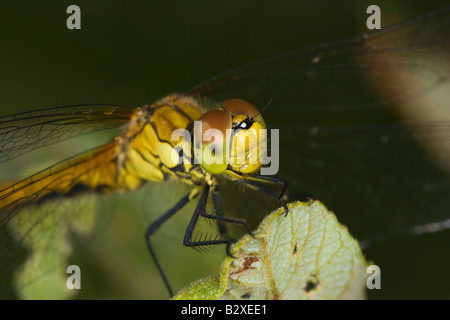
[(219, 217), (201, 207), (200, 210), (155, 226)]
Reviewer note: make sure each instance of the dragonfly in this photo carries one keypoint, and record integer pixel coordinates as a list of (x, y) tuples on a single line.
[(356, 132)]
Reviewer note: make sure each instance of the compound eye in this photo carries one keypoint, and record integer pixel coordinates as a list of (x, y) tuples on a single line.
[(215, 120), (239, 106), (211, 141)]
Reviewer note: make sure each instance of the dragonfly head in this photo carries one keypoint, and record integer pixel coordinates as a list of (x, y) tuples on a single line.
[(234, 135)]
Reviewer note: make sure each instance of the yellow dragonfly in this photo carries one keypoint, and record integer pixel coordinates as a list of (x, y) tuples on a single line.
[(145, 151), (361, 146)]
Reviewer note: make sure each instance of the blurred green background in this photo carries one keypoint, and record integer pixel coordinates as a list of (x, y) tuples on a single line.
[(134, 52)]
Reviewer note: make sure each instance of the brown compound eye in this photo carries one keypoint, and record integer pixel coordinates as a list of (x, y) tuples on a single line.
[(239, 106), (211, 141), (215, 119)]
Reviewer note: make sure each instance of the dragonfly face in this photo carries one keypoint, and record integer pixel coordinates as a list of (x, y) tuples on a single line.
[(344, 136), (240, 139)]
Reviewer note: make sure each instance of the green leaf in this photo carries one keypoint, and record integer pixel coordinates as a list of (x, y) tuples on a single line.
[(305, 254)]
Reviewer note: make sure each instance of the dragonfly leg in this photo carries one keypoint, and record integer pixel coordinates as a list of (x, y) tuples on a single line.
[(256, 182), (218, 210), (283, 184), (155, 226), (200, 210), (220, 218)]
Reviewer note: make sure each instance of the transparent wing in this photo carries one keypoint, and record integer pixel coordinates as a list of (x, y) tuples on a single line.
[(329, 76), (38, 221), (24, 132), (41, 214), (364, 123)]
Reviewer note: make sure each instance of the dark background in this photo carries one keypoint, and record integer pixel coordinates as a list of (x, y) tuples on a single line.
[(133, 52)]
